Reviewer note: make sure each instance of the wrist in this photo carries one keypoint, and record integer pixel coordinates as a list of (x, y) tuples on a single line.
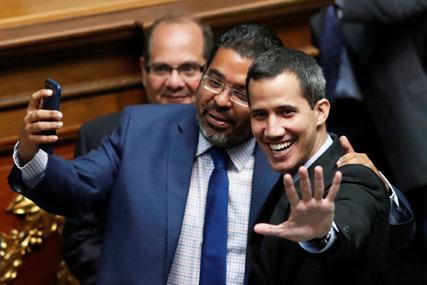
[(322, 241), (25, 154)]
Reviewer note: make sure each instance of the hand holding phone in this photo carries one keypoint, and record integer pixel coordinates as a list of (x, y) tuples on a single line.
[(51, 103)]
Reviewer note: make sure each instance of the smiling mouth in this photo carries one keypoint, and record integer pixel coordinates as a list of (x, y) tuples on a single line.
[(177, 96), (217, 122), (278, 147)]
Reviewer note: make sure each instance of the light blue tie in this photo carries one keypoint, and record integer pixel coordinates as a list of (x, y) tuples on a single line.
[(214, 249)]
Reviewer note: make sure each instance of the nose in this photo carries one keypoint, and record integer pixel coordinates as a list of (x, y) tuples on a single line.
[(175, 80), (274, 128), (223, 99)]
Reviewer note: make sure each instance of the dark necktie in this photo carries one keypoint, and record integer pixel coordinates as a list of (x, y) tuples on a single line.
[(214, 249), (330, 47)]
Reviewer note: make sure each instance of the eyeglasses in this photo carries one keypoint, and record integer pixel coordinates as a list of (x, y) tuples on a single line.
[(185, 70), (215, 86)]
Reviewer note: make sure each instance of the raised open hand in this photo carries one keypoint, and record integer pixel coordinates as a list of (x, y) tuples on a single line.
[(311, 214)]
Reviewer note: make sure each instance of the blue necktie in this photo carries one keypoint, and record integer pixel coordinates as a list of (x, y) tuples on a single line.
[(330, 47), (214, 249)]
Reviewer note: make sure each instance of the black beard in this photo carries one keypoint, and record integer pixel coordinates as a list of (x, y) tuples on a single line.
[(222, 140)]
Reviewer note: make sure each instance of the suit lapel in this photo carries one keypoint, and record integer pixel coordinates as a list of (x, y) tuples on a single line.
[(182, 149), (328, 161), (264, 178)]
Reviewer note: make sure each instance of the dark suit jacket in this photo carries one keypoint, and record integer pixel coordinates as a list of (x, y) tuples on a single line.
[(358, 256), (141, 174), (387, 45), (82, 237), (93, 132), (388, 42)]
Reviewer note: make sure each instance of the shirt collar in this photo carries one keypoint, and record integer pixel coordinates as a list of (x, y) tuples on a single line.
[(239, 155)]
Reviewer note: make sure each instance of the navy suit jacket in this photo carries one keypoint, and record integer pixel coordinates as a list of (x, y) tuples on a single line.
[(82, 237), (141, 174)]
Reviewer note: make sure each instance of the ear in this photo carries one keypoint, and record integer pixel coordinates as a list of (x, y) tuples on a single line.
[(143, 70), (322, 108)]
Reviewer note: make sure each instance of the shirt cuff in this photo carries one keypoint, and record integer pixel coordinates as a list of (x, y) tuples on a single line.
[(393, 197), (320, 246), (34, 170)]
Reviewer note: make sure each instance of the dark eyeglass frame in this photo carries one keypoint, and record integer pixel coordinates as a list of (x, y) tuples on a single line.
[(182, 69)]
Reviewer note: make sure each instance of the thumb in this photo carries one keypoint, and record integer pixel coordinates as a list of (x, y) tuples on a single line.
[(345, 144), (267, 229)]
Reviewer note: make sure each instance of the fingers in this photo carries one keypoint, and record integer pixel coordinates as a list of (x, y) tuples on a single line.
[(306, 193), (39, 121), (336, 183), (36, 120), (306, 189), (33, 117), (268, 230), (356, 158), (290, 189), (318, 183), (345, 144), (348, 158), (35, 131), (37, 97)]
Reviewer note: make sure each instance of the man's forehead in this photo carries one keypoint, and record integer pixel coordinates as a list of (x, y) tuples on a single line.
[(230, 56), (212, 71), (186, 27), (282, 90), (227, 63), (177, 43)]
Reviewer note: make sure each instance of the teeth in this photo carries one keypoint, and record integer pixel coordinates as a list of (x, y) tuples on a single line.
[(280, 146)]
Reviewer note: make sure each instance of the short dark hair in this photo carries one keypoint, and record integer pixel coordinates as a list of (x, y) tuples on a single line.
[(177, 19), (248, 40), (279, 60)]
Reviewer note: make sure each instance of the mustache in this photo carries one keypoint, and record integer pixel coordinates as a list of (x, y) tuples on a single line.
[(219, 113)]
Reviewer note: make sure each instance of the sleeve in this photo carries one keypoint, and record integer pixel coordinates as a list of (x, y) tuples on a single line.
[(33, 171), (401, 218), (82, 237), (73, 188), (402, 222), (361, 212), (322, 244)]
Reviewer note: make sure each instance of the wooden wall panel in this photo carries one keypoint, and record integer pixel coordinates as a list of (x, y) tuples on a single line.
[(25, 12), (97, 68)]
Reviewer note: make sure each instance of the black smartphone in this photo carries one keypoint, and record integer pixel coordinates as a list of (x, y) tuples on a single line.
[(51, 103)]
